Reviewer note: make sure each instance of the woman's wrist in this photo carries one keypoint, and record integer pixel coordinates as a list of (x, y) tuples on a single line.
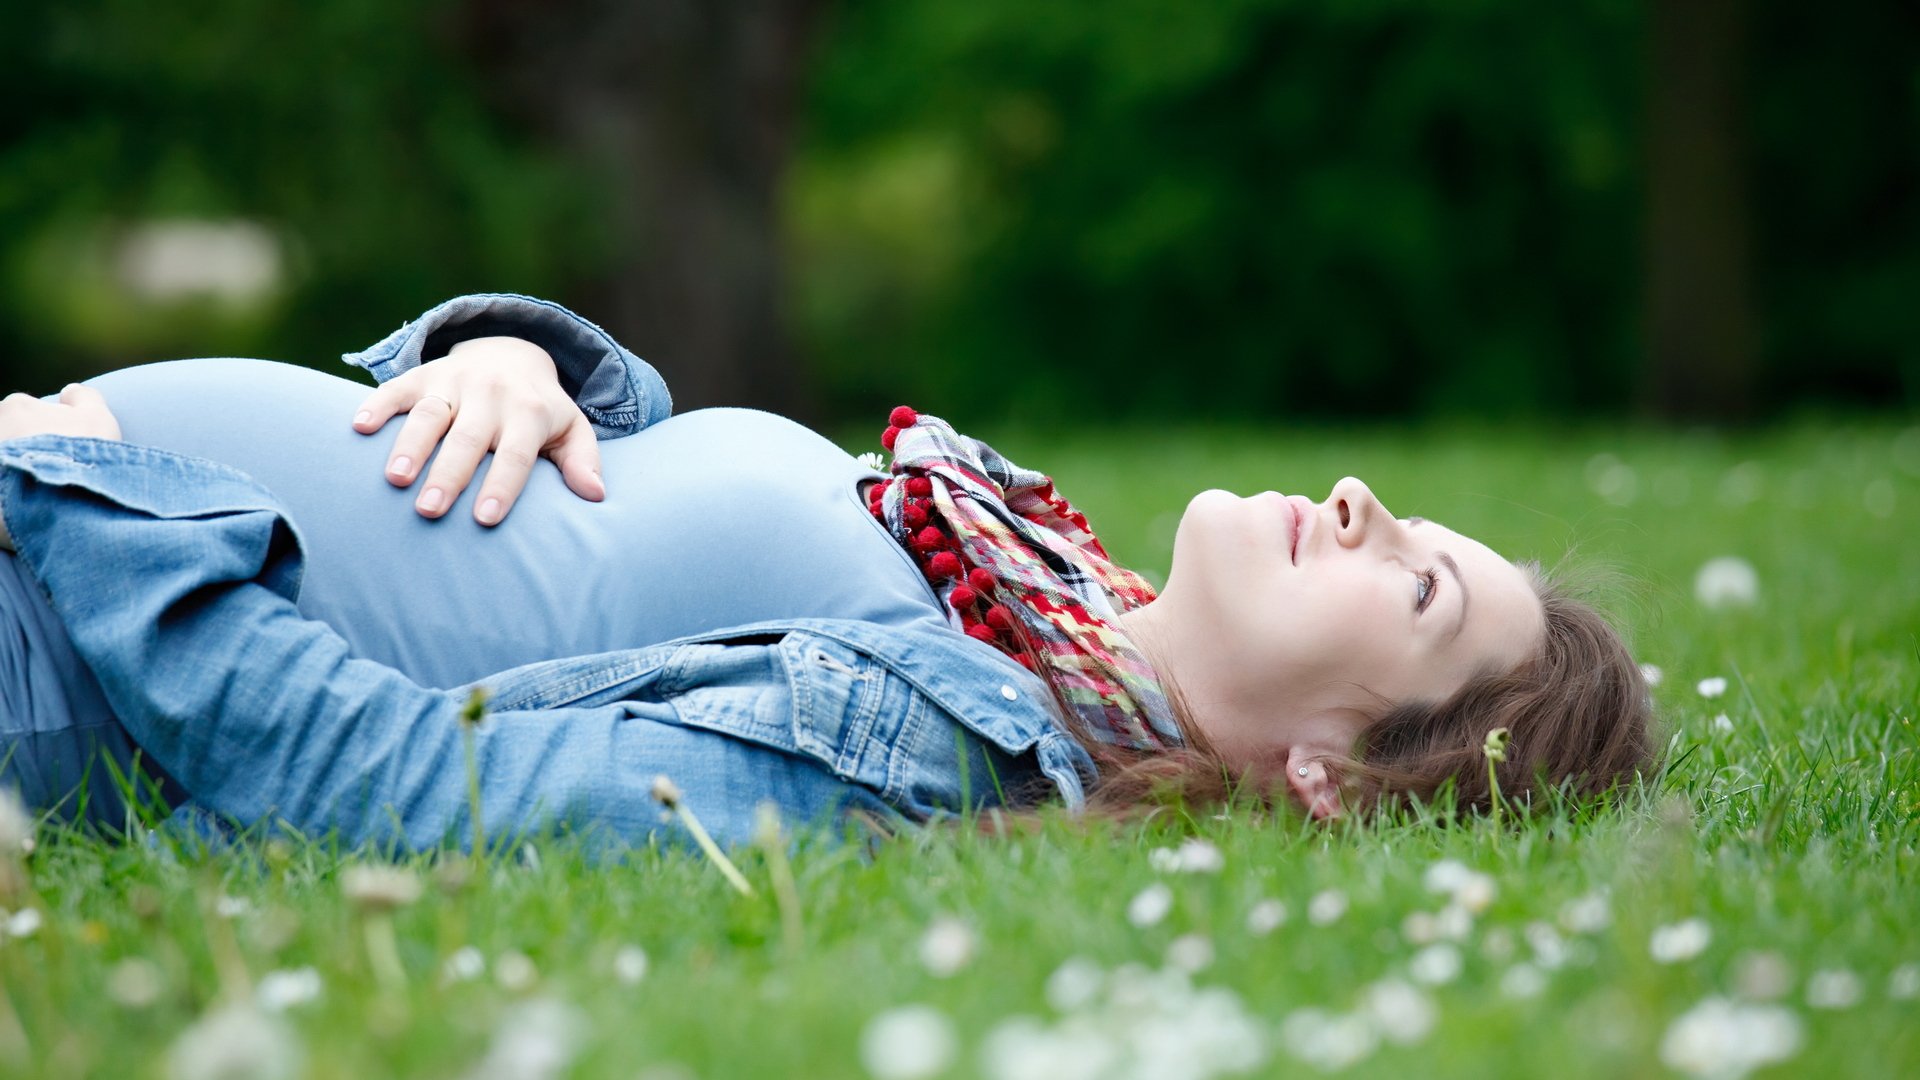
[(505, 346)]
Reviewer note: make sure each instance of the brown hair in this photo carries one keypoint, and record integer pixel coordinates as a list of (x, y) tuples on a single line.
[(1577, 710)]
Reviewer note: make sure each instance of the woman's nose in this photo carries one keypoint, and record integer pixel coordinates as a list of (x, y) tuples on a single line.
[(1355, 511)]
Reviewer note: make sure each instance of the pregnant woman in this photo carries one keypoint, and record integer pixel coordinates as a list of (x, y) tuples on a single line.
[(213, 586)]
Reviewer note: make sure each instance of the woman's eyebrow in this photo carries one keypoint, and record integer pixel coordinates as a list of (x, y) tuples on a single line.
[(1446, 560)]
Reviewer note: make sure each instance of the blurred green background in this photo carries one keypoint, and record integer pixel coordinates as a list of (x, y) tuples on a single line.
[(997, 208)]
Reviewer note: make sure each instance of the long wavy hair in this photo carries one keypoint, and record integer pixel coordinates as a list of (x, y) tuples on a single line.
[(1577, 710)]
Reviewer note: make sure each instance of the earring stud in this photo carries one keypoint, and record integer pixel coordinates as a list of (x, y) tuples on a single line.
[(1302, 770)]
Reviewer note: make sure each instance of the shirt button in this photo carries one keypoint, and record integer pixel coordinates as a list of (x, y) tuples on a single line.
[(1009, 692)]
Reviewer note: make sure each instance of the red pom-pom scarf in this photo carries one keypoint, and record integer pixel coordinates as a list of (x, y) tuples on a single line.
[(1024, 572)]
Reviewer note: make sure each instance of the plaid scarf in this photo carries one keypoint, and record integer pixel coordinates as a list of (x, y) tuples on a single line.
[(1049, 571)]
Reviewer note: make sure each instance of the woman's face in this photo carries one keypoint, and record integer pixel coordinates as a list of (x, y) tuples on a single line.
[(1338, 605)]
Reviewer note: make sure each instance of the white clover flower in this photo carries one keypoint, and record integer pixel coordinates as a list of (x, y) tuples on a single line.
[(463, 964), (515, 971), (24, 923), (1190, 953), (373, 887), (135, 982), (630, 965), (238, 1042), (666, 792), (1399, 1011), (1652, 674), (947, 946), (1138, 988), (1326, 907), (1147, 1024), (232, 907), (1475, 894), (1712, 687), (1453, 922), (282, 990), (1587, 914), (1328, 1041), (1833, 988), (908, 1043), (1762, 975), (1722, 725), (1150, 906), (1680, 941), (1725, 1040), (1194, 856), (533, 1040), (1726, 582), (1436, 964), (1420, 928), (1023, 1048), (1549, 950), (1904, 983), (16, 824), (1468, 888), (1265, 917), (1523, 980), (1446, 875), (1074, 984), (1612, 479)]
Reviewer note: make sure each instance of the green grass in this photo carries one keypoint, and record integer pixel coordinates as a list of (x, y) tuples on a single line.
[(1793, 835)]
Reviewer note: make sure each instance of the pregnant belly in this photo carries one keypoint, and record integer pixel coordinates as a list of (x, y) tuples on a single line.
[(678, 547)]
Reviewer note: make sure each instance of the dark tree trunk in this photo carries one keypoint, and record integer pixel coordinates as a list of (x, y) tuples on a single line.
[(1700, 359), (686, 112)]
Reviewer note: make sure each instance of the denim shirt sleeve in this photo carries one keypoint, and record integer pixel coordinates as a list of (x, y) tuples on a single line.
[(619, 392), (174, 577)]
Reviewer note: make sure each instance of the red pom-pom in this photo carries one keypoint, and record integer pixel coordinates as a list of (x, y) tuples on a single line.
[(962, 597), (944, 564), (887, 437), (982, 633), (982, 580), (929, 539), (1025, 661), (879, 512), (999, 617), (916, 517), (919, 485), (877, 492), (903, 416)]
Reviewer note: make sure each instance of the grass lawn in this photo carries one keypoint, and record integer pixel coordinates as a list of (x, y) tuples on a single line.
[(1760, 908)]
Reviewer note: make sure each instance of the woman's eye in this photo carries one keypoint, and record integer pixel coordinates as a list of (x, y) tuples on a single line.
[(1423, 583)]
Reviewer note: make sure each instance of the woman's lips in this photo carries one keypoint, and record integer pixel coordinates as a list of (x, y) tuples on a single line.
[(1302, 508)]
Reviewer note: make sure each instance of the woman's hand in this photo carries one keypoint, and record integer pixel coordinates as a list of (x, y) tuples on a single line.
[(80, 411), (497, 393)]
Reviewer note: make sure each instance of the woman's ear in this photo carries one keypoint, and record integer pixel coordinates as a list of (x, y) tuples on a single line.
[(1315, 790)]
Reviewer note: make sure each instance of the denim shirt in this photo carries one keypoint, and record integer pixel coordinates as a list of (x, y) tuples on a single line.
[(175, 578)]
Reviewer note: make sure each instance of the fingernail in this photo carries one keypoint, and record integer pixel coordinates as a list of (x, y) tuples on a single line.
[(490, 511), (401, 466), (432, 499), (362, 416)]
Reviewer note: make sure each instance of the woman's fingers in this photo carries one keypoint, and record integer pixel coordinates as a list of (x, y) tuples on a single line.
[(467, 441), (427, 421), (393, 397), (577, 453), (519, 447), (100, 421)]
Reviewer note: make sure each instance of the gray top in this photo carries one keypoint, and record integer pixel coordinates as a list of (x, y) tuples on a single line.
[(713, 518)]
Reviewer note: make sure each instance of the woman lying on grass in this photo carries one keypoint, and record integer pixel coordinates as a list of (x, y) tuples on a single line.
[(240, 610)]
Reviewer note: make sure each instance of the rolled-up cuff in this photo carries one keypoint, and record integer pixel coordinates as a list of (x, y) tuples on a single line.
[(619, 392)]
